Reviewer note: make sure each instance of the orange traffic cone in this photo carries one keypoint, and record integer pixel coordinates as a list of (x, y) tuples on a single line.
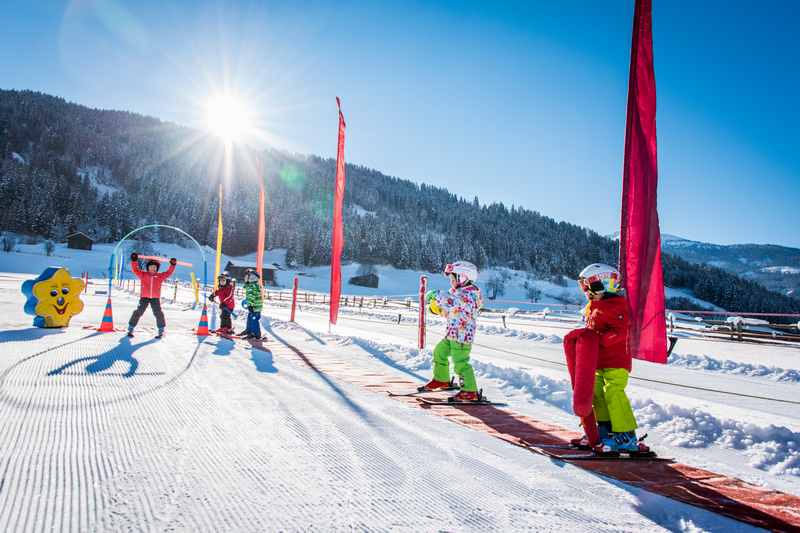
[(202, 327), (107, 324)]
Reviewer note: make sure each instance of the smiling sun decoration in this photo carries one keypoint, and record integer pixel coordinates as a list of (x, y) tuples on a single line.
[(53, 298)]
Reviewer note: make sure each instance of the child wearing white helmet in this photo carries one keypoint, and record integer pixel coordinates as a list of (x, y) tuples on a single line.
[(460, 306), (599, 363)]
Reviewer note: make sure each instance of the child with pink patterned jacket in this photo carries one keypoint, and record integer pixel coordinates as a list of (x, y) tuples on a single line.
[(459, 306)]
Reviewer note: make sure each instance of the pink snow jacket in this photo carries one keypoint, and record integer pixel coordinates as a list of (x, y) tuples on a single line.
[(151, 283), (460, 308)]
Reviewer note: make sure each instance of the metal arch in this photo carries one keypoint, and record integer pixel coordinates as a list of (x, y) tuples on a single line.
[(179, 230)]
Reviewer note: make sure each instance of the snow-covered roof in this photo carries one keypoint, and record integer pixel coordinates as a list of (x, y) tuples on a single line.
[(79, 233), (252, 264)]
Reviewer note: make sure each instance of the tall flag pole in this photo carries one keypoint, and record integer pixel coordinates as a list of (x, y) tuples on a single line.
[(219, 240), (640, 237), (262, 230), (337, 237)]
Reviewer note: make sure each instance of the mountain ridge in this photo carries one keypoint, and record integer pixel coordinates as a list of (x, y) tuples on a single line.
[(154, 171)]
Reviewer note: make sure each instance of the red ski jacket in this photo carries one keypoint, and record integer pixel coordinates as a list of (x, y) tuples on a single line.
[(225, 295), (151, 283), (609, 318)]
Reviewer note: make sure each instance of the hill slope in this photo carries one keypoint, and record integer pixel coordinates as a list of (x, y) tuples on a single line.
[(65, 166)]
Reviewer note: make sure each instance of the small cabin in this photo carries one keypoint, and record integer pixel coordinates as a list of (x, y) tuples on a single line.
[(237, 270), (79, 241), (367, 280)]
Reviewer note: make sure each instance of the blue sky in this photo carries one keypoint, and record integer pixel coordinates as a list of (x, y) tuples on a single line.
[(520, 102)]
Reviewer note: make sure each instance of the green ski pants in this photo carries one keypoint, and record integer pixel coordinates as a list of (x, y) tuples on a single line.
[(460, 354), (610, 401)]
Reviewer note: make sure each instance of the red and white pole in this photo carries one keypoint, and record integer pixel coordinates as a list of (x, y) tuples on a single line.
[(423, 288), (294, 297)]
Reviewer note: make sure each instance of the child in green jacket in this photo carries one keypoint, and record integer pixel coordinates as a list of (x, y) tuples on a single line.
[(253, 303)]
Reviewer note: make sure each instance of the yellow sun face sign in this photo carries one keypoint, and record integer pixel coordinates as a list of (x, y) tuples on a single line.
[(53, 298)]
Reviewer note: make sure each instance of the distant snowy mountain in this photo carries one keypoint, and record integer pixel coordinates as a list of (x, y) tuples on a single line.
[(775, 267)]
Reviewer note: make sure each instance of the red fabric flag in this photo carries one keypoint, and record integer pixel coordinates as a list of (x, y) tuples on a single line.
[(640, 238), (262, 230), (337, 237)]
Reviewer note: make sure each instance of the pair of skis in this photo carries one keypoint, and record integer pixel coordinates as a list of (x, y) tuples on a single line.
[(566, 452), (427, 400), (251, 340), (561, 452)]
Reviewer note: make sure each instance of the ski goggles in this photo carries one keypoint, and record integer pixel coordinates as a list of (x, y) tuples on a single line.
[(595, 284)]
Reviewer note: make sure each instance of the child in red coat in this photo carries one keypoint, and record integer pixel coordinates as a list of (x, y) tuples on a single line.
[(227, 302), (151, 280), (599, 364)]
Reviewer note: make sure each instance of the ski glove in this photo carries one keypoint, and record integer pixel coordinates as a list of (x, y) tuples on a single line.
[(173, 261), (134, 256)]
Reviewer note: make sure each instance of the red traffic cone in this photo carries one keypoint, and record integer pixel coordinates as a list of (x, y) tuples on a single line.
[(107, 324), (202, 327)]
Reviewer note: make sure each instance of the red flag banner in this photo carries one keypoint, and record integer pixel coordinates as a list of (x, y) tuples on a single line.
[(337, 236), (262, 230), (640, 238)]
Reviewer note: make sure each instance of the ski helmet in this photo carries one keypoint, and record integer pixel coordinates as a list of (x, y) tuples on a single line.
[(599, 277), (250, 272), (464, 272), (152, 262), (223, 276)]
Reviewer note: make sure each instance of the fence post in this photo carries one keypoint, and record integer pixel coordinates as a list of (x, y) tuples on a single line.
[(423, 288), (294, 297)]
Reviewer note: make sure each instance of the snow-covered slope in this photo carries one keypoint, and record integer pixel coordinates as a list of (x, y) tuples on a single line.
[(104, 433), (31, 259)]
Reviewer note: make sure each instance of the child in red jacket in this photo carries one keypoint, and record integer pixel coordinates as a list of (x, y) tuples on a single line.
[(227, 302), (599, 364), (151, 281)]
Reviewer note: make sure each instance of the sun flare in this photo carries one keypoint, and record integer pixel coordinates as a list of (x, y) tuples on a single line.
[(227, 117)]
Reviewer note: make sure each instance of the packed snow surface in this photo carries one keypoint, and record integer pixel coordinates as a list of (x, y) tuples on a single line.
[(104, 433)]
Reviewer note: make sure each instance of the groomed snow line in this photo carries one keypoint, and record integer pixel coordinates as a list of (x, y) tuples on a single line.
[(99, 432)]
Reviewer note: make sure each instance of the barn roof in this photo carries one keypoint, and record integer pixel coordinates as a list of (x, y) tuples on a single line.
[(79, 233)]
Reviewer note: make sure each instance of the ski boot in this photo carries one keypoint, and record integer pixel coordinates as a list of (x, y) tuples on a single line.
[(466, 396), (160, 333), (582, 443), (625, 443), (130, 332), (435, 385)]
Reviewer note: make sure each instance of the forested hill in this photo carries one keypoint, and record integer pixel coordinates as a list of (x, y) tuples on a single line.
[(65, 167)]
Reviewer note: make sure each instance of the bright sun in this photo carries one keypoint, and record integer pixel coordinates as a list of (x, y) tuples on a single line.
[(227, 117)]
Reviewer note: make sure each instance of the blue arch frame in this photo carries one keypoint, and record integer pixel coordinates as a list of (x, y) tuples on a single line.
[(179, 230)]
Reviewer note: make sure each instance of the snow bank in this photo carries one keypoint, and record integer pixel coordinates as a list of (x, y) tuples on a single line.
[(705, 363), (771, 448), (520, 334)]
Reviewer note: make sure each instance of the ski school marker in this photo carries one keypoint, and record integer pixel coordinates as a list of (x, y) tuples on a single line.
[(423, 288)]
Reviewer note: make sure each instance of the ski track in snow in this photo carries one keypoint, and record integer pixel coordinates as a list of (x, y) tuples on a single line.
[(726, 366), (774, 449)]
